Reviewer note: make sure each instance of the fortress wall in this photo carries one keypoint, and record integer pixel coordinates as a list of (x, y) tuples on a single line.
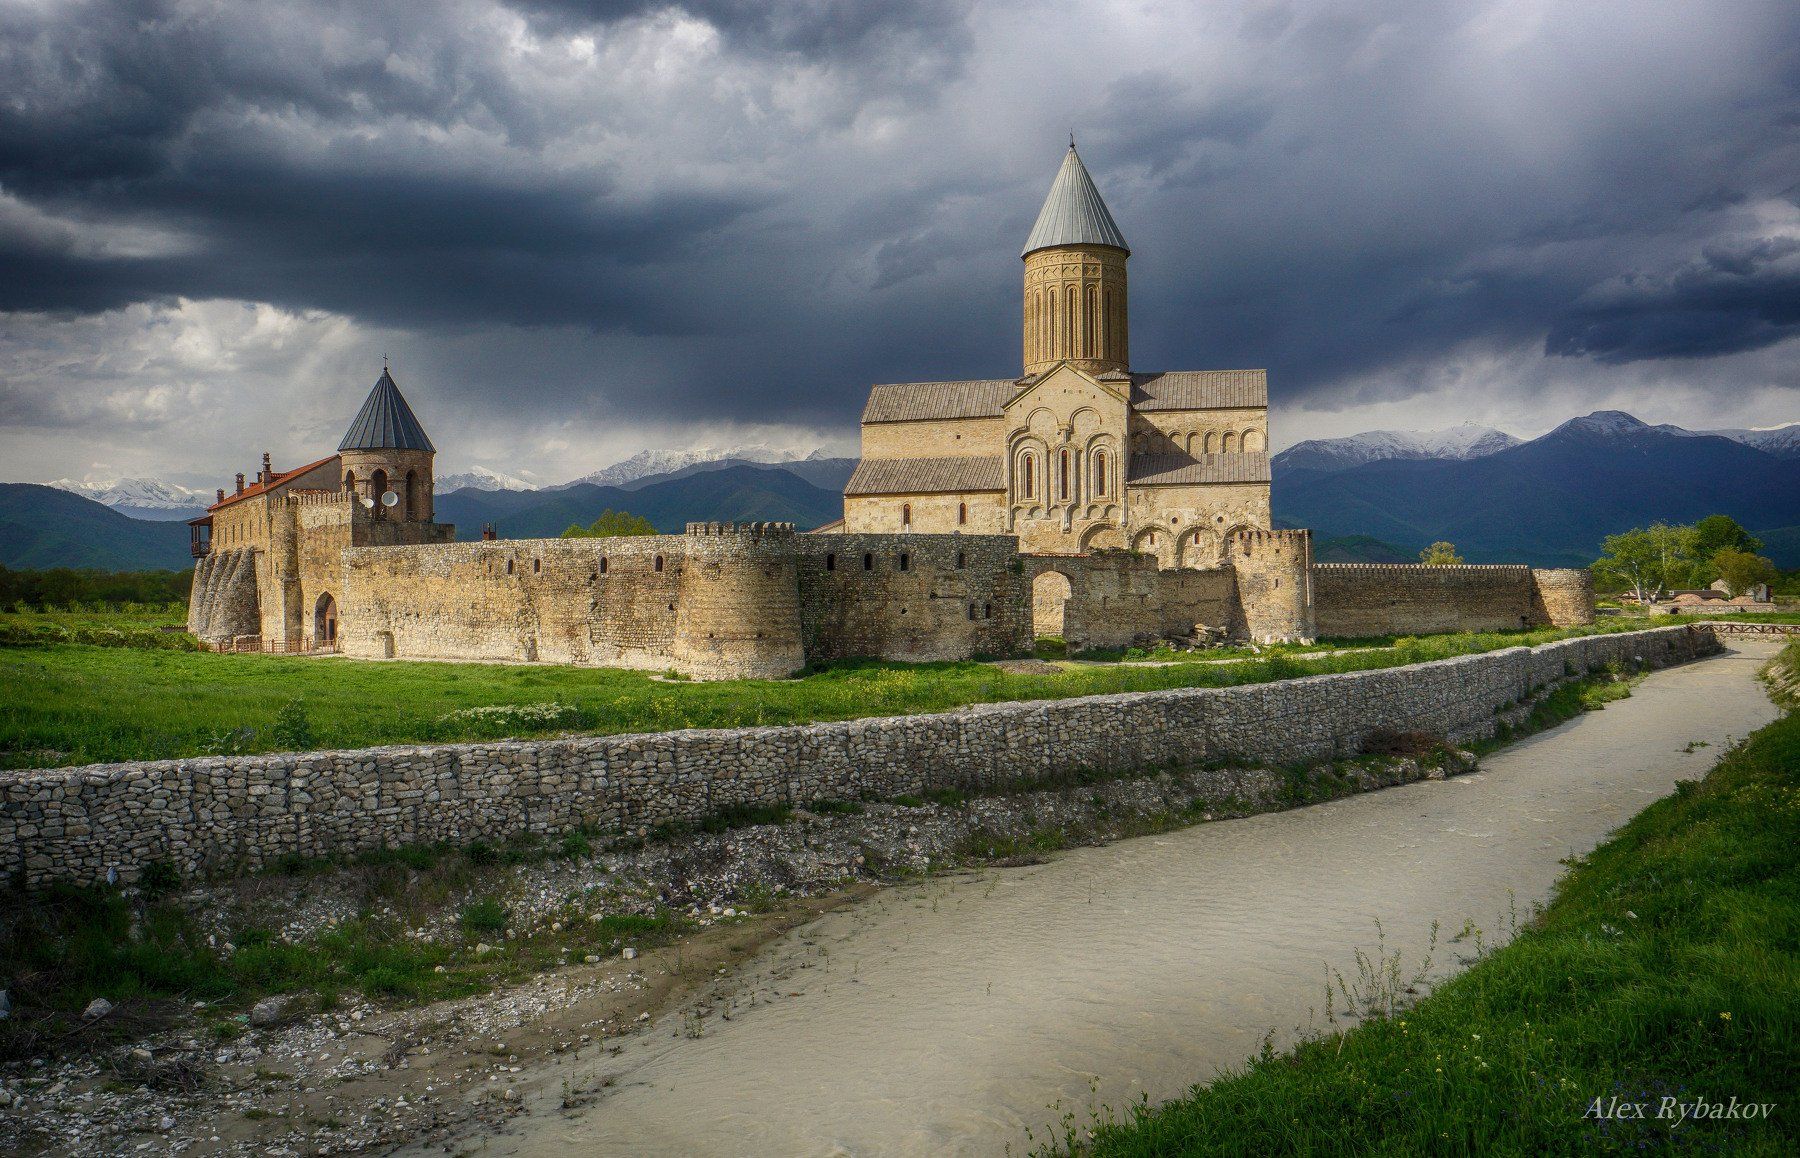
[(222, 814), (1363, 599), (915, 597), (1117, 597), (599, 601)]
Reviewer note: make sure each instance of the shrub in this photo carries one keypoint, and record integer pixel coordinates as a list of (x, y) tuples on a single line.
[(484, 916), (1389, 742), (292, 729)]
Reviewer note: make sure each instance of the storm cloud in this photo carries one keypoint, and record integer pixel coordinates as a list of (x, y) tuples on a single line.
[(580, 228)]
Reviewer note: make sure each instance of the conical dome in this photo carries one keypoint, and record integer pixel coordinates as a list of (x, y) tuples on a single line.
[(386, 422), (1073, 213)]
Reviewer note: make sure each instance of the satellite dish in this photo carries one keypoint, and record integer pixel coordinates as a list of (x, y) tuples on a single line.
[(366, 501), (389, 499)]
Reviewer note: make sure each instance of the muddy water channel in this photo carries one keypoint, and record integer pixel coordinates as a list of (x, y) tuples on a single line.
[(949, 1016)]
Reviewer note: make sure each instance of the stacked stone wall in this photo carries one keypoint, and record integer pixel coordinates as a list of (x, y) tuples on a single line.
[(223, 814)]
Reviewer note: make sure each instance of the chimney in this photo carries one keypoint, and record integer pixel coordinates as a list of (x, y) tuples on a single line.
[(488, 534), (240, 481), (268, 471), (221, 494)]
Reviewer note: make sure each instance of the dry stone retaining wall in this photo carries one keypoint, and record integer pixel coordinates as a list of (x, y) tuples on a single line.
[(227, 813)]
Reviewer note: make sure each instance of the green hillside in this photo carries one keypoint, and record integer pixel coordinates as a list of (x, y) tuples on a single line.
[(43, 527)]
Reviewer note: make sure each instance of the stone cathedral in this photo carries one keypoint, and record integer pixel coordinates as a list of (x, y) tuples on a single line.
[(1080, 453), (1082, 500)]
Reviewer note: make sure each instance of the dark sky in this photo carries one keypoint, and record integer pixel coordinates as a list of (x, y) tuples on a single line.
[(581, 229)]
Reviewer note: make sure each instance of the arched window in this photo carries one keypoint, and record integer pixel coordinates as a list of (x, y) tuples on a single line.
[(1100, 472), (906, 514), (962, 560), (603, 564), (412, 495), (905, 561), (962, 514), (1230, 443), (537, 566), (1068, 492), (831, 561), (657, 565), (1069, 308), (379, 483), (971, 612), (1027, 481), (509, 566), (1252, 441), (350, 481), (868, 561), (1211, 443)]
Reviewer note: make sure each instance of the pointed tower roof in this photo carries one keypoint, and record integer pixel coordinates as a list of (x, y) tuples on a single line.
[(386, 422), (1073, 213)]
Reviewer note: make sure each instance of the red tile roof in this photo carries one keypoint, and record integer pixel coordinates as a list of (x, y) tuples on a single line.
[(259, 488)]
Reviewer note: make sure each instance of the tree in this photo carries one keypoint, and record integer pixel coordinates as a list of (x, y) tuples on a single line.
[(1741, 570), (1440, 554), (1717, 533), (611, 524), (1647, 560)]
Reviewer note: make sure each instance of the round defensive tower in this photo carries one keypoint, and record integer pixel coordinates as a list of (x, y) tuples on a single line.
[(738, 604), (1274, 583), (1565, 594)]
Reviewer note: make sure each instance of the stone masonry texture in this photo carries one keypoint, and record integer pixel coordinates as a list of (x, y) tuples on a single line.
[(226, 814)]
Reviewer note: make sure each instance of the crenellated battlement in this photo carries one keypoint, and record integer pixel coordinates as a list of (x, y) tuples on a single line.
[(1255, 540), (742, 530), (318, 498)]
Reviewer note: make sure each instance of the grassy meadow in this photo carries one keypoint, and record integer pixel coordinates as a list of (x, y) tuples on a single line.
[(76, 703), (1666, 967)]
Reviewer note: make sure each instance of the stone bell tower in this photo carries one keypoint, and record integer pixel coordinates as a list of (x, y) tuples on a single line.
[(386, 451), (1075, 279)]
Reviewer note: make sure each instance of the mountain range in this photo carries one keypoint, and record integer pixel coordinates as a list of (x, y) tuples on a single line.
[(737, 492), (1551, 500), (1373, 497)]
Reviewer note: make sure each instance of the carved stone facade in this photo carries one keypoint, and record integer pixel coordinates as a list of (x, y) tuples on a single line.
[(1079, 454)]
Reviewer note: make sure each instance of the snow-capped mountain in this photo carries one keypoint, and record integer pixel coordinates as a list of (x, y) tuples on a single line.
[(1780, 441), (1466, 441), (646, 463), (482, 479), (147, 494)]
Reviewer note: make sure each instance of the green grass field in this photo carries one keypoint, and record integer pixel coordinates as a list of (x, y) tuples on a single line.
[(76, 704), (1667, 966)]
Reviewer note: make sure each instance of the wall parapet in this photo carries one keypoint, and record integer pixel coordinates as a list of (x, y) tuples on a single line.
[(1430, 568), (231, 813)]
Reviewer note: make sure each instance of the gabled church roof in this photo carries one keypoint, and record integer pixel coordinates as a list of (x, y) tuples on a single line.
[(386, 422), (1073, 213)]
